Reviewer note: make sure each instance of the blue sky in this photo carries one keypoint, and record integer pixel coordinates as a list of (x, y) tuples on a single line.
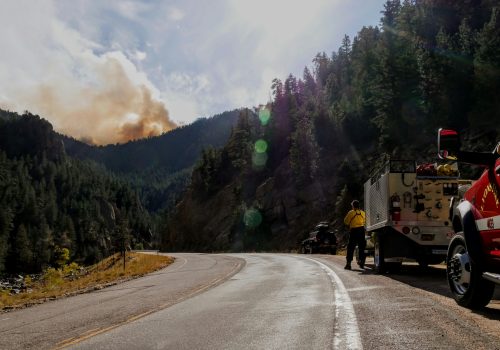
[(107, 71)]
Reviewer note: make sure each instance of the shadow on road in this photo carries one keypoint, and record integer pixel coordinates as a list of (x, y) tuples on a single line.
[(433, 279)]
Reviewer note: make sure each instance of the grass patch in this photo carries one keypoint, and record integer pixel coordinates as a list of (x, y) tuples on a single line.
[(72, 279)]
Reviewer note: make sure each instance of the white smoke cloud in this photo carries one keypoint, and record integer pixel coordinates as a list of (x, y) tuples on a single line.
[(83, 89)]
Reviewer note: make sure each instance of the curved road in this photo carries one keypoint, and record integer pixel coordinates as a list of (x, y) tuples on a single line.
[(65, 321), (260, 301)]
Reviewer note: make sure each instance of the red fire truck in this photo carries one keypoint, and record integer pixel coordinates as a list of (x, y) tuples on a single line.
[(473, 259)]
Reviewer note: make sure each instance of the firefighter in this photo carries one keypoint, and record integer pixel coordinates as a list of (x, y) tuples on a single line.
[(355, 220)]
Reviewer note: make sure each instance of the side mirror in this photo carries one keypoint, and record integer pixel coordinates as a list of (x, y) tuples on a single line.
[(448, 144)]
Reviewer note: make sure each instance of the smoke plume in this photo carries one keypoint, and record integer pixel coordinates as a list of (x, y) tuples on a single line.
[(91, 92), (113, 109)]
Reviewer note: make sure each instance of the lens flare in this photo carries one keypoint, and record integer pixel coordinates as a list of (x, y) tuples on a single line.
[(259, 160), (252, 218), (264, 116), (260, 146)]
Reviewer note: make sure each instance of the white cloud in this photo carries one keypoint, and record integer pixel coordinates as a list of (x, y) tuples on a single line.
[(187, 83), (140, 55), (132, 10), (183, 108), (175, 14), (279, 22)]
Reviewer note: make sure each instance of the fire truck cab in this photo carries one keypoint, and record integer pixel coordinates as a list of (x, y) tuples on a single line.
[(473, 258)]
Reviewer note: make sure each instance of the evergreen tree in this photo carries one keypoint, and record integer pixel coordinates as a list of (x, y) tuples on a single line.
[(5, 229), (304, 152), (487, 73), (21, 251)]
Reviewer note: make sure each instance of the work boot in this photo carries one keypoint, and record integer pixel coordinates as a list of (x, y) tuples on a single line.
[(347, 266), (361, 264)]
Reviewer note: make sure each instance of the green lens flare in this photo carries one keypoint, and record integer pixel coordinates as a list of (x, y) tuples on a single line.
[(260, 146), (259, 160), (264, 116), (252, 218)]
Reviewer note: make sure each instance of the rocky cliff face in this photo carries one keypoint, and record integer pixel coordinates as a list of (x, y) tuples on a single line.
[(275, 215), (265, 190)]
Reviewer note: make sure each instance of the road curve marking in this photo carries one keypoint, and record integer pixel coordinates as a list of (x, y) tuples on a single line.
[(346, 333), (93, 332), (179, 267), (357, 289)]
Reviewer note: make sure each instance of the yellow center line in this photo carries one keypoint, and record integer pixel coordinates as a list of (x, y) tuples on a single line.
[(93, 332)]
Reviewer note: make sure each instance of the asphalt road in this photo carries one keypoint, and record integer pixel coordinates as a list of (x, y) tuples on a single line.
[(275, 301), (64, 321)]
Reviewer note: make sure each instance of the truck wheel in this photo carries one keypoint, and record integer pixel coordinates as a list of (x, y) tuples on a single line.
[(333, 251), (378, 255), (425, 261), (464, 277)]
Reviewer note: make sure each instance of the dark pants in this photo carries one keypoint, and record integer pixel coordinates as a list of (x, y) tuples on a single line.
[(356, 238)]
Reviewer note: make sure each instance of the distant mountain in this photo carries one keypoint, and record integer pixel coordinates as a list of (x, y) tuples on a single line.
[(173, 151), (159, 168)]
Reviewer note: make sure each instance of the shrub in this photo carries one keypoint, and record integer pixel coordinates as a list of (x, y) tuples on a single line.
[(52, 278), (61, 256)]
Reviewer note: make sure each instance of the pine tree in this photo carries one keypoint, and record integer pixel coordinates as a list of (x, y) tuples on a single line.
[(487, 73), (5, 229), (21, 250), (304, 152)]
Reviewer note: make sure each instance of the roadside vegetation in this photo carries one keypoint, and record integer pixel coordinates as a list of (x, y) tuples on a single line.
[(71, 279)]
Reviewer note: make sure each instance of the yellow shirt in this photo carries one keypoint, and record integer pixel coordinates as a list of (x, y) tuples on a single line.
[(355, 218)]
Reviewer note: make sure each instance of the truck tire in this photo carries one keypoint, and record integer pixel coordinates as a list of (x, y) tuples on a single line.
[(425, 261), (468, 287), (378, 255)]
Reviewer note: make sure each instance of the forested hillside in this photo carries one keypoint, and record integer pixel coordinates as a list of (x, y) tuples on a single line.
[(57, 192), (49, 201), (385, 92), (159, 167)]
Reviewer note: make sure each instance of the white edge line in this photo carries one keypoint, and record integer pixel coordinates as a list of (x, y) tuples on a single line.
[(347, 335)]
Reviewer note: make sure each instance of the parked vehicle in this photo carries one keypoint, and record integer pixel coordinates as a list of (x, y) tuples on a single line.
[(473, 258), (407, 212), (321, 240)]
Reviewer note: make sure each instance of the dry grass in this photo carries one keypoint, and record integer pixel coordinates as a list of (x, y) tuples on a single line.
[(71, 280)]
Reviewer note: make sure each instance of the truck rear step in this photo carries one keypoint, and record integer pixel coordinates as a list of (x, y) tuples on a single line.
[(493, 277)]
